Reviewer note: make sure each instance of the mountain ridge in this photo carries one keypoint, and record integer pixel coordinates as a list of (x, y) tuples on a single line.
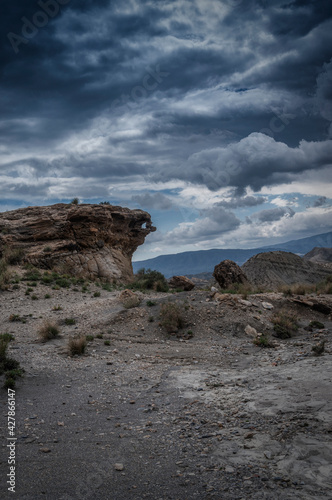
[(201, 261)]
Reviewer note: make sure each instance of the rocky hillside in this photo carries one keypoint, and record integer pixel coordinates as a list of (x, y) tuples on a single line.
[(273, 269), (88, 240), (319, 255)]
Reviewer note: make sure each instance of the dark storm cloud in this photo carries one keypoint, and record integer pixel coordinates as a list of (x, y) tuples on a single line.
[(246, 201), (274, 214), (182, 91)]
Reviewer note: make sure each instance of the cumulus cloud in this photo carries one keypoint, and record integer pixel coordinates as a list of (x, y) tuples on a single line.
[(157, 201)]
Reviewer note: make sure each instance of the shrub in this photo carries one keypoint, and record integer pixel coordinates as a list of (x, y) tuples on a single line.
[(96, 294), (7, 337), (5, 275), (150, 280), (151, 319), (34, 297), (316, 324), (77, 345), (48, 331), (57, 308), (14, 318), (70, 321), (13, 256), (8, 366), (150, 303), (285, 324), (262, 341), (75, 201), (89, 338), (107, 342), (99, 336), (171, 317), (47, 296), (104, 203)]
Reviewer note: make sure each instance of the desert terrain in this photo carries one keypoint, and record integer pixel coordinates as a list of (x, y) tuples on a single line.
[(144, 412)]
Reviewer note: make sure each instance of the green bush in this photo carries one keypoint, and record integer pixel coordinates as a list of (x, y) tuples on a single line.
[(70, 321), (150, 280)]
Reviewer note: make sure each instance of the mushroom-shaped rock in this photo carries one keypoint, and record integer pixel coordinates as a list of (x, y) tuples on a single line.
[(94, 241)]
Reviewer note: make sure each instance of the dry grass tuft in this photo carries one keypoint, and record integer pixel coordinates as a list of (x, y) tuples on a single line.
[(77, 345), (48, 331), (285, 324), (171, 317)]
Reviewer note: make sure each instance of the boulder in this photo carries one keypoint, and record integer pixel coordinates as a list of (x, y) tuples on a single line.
[(93, 241), (228, 274), (181, 282)]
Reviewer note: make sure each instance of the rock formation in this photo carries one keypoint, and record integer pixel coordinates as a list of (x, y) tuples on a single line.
[(87, 240), (318, 254), (181, 282), (271, 269), (228, 274)]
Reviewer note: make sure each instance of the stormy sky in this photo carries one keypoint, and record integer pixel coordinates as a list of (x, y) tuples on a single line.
[(212, 115)]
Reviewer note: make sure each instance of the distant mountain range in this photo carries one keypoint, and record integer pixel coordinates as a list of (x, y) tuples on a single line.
[(203, 261)]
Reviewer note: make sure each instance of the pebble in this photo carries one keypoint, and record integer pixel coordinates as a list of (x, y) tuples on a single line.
[(119, 467), (267, 305)]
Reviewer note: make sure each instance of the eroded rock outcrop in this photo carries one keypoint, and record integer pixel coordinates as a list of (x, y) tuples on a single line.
[(181, 282), (272, 269), (88, 240), (228, 273)]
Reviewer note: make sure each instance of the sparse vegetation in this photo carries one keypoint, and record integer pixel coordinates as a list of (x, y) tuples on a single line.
[(57, 308), (77, 345), (34, 297), (171, 317), (262, 341), (99, 336), (316, 324), (151, 319), (70, 321), (107, 342), (16, 318), (89, 338), (150, 280), (48, 331), (8, 366), (96, 294), (75, 201), (285, 324), (150, 303)]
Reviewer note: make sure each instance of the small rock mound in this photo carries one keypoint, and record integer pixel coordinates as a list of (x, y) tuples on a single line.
[(273, 269), (228, 274), (181, 282)]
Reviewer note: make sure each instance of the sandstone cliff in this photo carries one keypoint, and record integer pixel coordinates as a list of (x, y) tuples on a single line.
[(272, 269), (88, 240)]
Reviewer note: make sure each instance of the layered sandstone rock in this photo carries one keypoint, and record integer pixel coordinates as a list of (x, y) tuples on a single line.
[(272, 269), (87, 240)]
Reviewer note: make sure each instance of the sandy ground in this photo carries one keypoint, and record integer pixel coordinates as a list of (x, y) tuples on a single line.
[(161, 416)]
